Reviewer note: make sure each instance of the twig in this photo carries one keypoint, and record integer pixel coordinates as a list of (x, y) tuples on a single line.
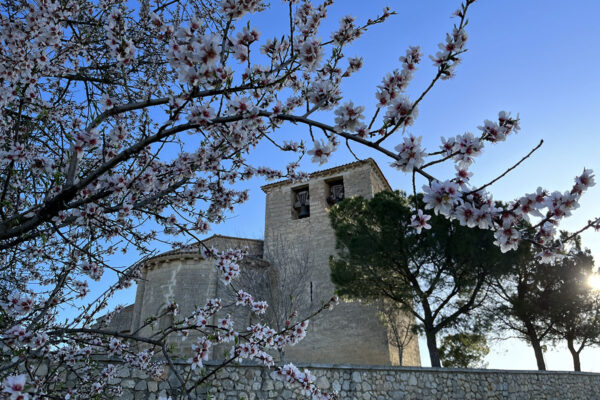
[(508, 170)]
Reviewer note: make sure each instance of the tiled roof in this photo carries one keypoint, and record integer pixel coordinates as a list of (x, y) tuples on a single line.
[(194, 249), (334, 170)]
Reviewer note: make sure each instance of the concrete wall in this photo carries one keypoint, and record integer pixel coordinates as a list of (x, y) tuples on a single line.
[(379, 383), (352, 332)]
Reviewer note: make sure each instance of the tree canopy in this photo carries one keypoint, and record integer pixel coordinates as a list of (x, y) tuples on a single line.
[(546, 304), (439, 275), (464, 350), (574, 311)]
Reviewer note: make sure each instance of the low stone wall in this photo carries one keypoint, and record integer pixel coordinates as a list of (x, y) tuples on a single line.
[(381, 383)]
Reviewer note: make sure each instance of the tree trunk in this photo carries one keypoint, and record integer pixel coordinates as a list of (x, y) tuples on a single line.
[(574, 354), (398, 341), (400, 351), (539, 354), (537, 347), (434, 354)]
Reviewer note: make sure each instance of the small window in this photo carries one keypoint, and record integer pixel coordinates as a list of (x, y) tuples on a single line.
[(300, 203), (336, 191)]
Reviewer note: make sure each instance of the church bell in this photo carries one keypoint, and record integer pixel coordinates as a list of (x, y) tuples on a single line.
[(302, 204), (304, 212)]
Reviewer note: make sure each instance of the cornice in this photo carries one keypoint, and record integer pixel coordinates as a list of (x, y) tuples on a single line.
[(333, 171)]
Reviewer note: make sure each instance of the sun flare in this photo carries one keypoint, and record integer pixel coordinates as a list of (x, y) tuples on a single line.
[(594, 281)]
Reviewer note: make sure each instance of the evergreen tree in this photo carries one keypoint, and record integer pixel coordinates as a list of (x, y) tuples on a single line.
[(548, 303), (464, 350), (522, 300), (575, 306), (439, 274)]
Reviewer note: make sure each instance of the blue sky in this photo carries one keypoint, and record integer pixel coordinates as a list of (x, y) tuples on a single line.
[(538, 59), (535, 61)]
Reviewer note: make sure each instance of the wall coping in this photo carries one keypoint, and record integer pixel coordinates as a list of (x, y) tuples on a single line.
[(334, 170), (355, 367), (360, 367), (189, 252)]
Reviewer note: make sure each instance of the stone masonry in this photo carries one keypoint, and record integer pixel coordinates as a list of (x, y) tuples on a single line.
[(351, 333), (184, 277), (337, 342), (378, 383)]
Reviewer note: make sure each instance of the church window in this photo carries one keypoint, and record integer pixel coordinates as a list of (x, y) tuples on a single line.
[(300, 203), (335, 191)]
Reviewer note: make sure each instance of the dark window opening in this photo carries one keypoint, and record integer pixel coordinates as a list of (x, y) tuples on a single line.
[(336, 191), (311, 292), (301, 203)]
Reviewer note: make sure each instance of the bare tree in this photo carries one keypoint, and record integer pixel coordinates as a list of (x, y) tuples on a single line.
[(400, 324), (285, 283)]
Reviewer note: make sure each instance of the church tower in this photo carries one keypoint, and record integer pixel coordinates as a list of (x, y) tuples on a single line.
[(297, 219)]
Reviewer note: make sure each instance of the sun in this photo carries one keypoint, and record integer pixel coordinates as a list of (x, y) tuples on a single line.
[(594, 281)]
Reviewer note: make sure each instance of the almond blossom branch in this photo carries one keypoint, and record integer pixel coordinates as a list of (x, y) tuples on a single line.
[(508, 170)]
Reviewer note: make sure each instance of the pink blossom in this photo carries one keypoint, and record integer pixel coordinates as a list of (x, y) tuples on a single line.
[(401, 112), (419, 221), (348, 117), (14, 385), (107, 102), (320, 152), (410, 154)]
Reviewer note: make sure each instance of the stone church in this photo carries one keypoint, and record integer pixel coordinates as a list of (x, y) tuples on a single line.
[(296, 219)]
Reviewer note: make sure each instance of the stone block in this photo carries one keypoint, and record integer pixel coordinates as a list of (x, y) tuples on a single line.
[(136, 373), (42, 370), (336, 386), (127, 383), (152, 386), (323, 383), (267, 385), (127, 395)]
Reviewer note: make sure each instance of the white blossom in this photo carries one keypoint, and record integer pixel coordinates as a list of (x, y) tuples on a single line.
[(410, 154), (419, 221), (320, 152)]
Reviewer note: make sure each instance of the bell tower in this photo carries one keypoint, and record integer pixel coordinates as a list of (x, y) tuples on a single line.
[(297, 213)]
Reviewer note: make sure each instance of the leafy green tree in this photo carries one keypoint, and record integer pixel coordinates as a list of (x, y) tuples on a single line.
[(439, 275), (464, 350), (523, 299), (575, 306), (548, 303)]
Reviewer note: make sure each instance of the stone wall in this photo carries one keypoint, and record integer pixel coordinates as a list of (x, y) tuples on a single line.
[(184, 277), (381, 383)]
